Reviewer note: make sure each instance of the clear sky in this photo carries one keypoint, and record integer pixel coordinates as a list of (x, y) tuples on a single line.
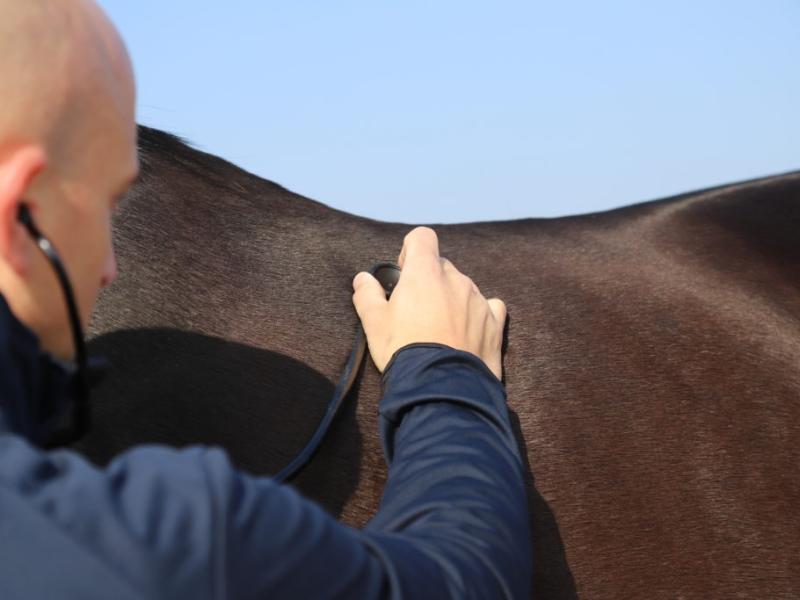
[(457, 110)]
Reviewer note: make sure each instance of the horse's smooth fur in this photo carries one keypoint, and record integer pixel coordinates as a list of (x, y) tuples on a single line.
[(652, 363)]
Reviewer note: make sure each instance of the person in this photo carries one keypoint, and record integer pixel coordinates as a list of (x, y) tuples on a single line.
[(161, 522)]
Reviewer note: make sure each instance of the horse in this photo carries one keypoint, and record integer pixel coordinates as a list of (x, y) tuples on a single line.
[(650, 361)]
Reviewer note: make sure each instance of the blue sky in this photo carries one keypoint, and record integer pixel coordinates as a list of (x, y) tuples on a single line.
[(456, 111)]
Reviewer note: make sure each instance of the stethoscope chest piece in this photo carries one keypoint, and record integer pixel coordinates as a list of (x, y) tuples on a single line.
[(388, 274)]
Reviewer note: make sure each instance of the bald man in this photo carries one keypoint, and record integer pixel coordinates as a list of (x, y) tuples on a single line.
[(165, 523)]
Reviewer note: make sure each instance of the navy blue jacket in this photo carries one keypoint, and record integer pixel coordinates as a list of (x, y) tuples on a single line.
[(159, 522)]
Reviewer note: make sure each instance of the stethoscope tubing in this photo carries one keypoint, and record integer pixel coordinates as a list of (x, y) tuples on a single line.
[(386, 272)]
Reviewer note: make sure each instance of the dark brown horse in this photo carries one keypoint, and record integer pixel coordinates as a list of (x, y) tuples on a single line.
[(652, 363)]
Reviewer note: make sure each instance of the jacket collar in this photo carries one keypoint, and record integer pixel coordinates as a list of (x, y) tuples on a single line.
[(35, 386)]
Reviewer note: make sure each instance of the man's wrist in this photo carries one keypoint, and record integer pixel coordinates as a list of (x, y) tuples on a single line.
[(471, 356), (425, 372)]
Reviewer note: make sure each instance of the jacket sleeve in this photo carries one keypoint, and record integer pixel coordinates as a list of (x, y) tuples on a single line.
[(453, 520), (184, 523), (454, 504)]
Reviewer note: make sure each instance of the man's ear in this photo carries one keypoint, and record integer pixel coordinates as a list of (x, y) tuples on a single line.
[(18, 168)]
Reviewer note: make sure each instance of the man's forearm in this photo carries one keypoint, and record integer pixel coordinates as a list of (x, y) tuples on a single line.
[(453, 518)]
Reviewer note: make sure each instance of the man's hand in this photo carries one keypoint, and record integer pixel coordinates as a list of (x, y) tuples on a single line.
[(432, 302)]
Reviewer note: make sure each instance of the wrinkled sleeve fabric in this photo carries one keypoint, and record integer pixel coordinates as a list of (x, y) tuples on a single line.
[(164, 523), (454, 504), (453, 519)]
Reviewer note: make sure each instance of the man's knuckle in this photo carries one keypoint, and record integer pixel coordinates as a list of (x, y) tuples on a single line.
[(422, 230), (421, 235)]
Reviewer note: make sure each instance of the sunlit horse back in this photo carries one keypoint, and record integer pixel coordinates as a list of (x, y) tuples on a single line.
[(652, 363)]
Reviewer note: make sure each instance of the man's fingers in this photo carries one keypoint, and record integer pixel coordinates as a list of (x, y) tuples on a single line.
[(369, 298), (498, 308), (420, 242)]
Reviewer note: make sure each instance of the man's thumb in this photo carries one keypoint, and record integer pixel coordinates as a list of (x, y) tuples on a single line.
[(369, 298)]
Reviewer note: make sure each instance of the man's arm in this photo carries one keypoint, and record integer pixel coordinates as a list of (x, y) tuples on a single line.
[(185, 523), (455, 493), (453, 521)]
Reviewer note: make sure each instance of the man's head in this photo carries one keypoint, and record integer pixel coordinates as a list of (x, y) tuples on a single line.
[(67, 150)]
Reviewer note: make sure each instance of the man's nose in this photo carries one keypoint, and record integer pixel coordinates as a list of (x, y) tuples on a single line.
[(109, 269)]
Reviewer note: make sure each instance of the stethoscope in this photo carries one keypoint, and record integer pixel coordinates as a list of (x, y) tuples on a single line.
[(90, 369), (388, 274)]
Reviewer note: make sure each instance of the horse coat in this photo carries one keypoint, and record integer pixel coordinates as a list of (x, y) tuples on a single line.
[(651, 362)]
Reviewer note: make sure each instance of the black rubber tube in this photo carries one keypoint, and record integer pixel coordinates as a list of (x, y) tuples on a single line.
[(388, 274)]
